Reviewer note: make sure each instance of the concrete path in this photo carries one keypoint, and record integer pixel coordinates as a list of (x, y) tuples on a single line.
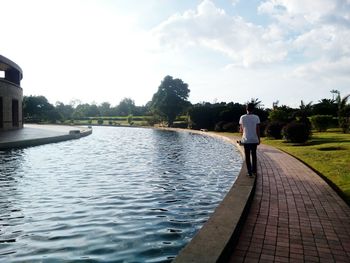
[(295, 216), (35, 134)]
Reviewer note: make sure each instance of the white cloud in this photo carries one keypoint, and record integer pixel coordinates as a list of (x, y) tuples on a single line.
[(319, 31), (304, 46), (234, 2), (95, 50), (327, 41), (324, 69), (212, 28), (299, 14)]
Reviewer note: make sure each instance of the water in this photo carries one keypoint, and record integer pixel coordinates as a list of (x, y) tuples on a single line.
[(118, 195)]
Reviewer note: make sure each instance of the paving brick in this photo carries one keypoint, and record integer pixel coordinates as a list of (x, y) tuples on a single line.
[(267, 257), (294, 217), (281, 259)]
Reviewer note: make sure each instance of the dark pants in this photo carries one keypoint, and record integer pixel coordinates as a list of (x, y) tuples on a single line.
[(250, 150)]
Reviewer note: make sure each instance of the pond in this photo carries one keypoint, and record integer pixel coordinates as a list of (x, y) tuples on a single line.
[(118, 195)]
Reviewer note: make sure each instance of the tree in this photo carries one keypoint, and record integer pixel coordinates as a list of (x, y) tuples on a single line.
[(126, 107), (38, 109), (334, 93), (256, 102), (206, 115), (281, 113), (325, 107), (343, 112), (105, 109), (93, 111), (171, 99), (65, 111), (304, 112), (86, 110)]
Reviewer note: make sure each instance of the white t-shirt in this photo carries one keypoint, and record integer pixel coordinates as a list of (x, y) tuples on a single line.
[(249, 122)]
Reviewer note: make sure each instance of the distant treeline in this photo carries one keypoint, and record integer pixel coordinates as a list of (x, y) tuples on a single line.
[(170, 106), (212, 116), (39, 109)]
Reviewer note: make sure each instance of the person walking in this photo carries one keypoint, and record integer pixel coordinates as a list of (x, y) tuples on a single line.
[(250, 127)]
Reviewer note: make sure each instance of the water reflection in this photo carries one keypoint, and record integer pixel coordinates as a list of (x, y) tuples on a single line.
[(10, 211), (117, 195)]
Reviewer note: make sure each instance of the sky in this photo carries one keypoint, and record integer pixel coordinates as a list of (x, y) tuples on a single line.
[(95, 51)]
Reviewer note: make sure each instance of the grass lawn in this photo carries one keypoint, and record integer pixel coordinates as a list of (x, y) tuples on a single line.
[(327, 152)]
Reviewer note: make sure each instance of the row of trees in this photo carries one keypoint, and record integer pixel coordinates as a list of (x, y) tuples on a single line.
[(39, 109), (171, 101)]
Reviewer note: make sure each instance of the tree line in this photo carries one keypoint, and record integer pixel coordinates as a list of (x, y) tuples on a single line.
[(171, 101), (39, 109)]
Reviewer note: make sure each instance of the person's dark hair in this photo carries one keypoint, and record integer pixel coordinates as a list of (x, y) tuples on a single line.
[(250, 107)]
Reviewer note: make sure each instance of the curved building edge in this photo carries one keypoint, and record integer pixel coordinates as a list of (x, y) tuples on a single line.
[(11, 95)]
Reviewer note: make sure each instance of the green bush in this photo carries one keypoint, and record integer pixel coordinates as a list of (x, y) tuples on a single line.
[(274, 130), (152, 120), (296, 132), (218, 126), (230, 127), (262, 126), (321, 122), (130, 119), (180, 124), (100, 121), (279, 115), (344, 124)]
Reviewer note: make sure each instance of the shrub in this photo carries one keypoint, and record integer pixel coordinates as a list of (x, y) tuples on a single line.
[(280, 115), (344, 124), (152, 120), (130, 119), (230, 127), (218, 126), (274, 130), (296, 132), (263, 126), (321, 122), (180, 124), (100, 121)]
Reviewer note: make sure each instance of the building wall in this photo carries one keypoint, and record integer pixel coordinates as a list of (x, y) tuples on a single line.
[(8, 93)]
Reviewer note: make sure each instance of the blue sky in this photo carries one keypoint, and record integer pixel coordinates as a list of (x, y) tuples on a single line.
[(226, 50)]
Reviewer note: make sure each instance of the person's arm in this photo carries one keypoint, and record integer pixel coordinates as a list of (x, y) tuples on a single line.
[(240, 125), (258, 131)]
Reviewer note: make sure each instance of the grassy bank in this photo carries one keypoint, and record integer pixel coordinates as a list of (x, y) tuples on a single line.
[(327, 152)]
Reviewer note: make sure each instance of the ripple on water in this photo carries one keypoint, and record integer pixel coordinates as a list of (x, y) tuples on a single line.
[(119, 195)]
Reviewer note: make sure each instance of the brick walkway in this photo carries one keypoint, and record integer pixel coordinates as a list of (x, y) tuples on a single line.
[(295, 216)]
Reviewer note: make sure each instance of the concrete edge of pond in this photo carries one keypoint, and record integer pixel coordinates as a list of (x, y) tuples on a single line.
[(28, 141), (215, 241)]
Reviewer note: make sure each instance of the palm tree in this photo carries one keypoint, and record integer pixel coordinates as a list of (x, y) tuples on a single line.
[(343, 112), (275, 104), (256, 102), (334, 92), (304, 111)]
